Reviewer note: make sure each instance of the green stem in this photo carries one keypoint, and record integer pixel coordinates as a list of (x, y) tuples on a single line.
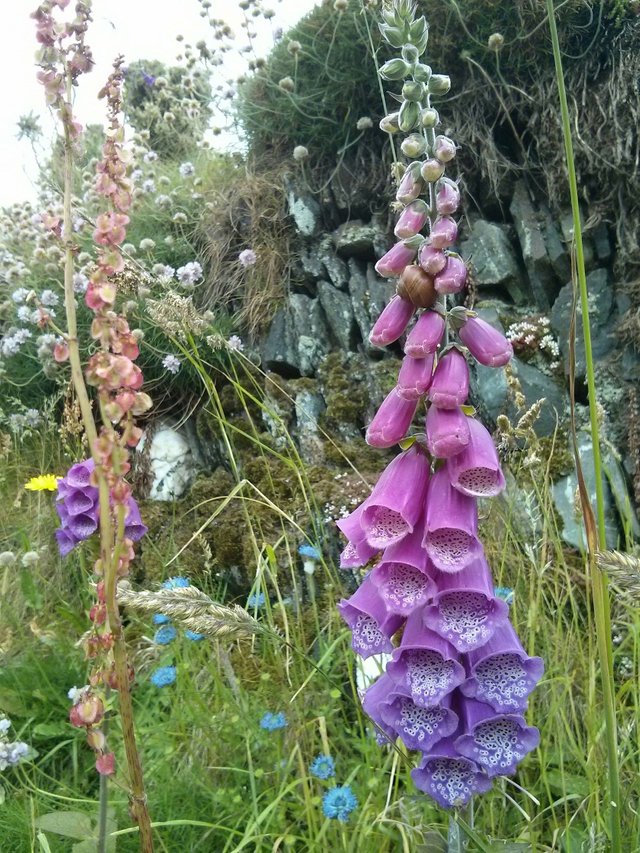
[(601, 603)]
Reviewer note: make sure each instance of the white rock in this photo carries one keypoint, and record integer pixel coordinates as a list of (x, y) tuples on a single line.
[(174, 460)]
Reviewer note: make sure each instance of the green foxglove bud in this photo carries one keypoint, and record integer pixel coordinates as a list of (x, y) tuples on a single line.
[(389, 124), (419, 34), (422, 73), (414, 146), (394, 69), (409, 116), (393, 35), (439, 84), (410, 53), (429, 117), (432, 170), (412, 91)]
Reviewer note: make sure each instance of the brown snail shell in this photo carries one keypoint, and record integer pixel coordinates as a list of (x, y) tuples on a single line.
[(417, 286)]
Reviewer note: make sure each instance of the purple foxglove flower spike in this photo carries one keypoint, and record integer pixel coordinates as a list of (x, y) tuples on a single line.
[(432, 260), (397, 500), (476, 471), (418, 727), (392, 322), (486, 344), (451, 525), (496, 742), (465, 610), (450, 384), (447, 431), (79, 475), (395, 260), (448, 777), (411, 184), (372, 626), (447, 197), (453, 277), (412, 220), (443, 232), (425, 336), (402, 586), (414, 377), (391, 422), (501, 673), (425, 665)]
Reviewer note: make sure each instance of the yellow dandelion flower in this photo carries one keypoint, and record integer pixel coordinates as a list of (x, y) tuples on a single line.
[(43, 482)]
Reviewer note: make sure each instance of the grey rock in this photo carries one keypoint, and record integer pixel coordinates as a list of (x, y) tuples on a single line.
[(601, 242), (535, 384), (339, 313), (530, 227), (357, 239), (305, 211), (494, 260), (564, 498), (309, 405), (336, 268), (601, 316), (556, 246), (174, 459), (311, 261), (298, 339), (369, 294)]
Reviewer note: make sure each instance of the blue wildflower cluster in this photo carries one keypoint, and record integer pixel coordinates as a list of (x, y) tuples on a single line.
[(323, 767), (272, 722), (167, 633), (338, 802), (163, 676), (257, 599)]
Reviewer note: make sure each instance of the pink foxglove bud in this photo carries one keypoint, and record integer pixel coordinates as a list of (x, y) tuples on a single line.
[(392, 421), (450, 385), (443, 233), (453, 277), (431, 260), (447, 431), (486, 344), (425, 336), (411, 184), (392, 322), (451, 525), (445, 149), (412, 220), (476, 471), (395, 260), (447, 197), (87, 712), (432, 170), (414, 377)]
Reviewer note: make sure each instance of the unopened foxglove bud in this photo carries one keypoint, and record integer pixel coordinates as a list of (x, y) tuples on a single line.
[(392, 322), (429, 117), (412, 219), (395, 260), (445, 149), (410, 53), (389, 124), (413, 146), (439, 84), (411, 184), (409, 116), (453, 277), (413, 91), (447, 197), (394, 69), (443, 232), (486, 344), (422, 73), (392, 421), (432, 260), (432, 170)]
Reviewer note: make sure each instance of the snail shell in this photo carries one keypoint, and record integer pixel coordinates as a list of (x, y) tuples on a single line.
[(417, 286)]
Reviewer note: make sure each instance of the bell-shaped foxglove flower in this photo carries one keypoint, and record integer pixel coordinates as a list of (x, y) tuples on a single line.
[(451, 525), (448, 777), (401, 575), (447, 431), (425, 336), (372, 626), (450, 384), (357, 552), (486, 344), (374, 700), (496, 742), (465, 610), (418, 727), (392, 322), (476, 470), (391, 422), (501, 673)]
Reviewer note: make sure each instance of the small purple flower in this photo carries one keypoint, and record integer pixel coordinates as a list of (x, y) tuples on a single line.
[(235, 343), (148, 79), (171, 364), (247, 258)]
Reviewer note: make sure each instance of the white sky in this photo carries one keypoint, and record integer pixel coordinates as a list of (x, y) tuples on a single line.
[(139, 29)]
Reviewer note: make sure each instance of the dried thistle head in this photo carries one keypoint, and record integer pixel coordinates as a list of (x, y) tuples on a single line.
[(176, 315)]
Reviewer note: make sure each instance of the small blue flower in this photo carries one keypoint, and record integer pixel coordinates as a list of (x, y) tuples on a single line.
[(505, 593), (323, 767), (272, 722), (339, 802), (165, 635), (256, 600), (309, 551), (194, 636), (176, 583), (148, 79), (160, 619), (163, 676)]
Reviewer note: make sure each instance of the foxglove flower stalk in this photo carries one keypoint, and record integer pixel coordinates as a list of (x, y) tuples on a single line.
[(457, 683)]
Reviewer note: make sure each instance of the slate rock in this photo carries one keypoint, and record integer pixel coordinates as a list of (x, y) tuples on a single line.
[(357, 239), (336, 268), (369, 294), (309, 406), (494, 261), (531, 227), (298, 339), (305, 211), (535, 384), (601, 316), (339, 313), (174, 461)]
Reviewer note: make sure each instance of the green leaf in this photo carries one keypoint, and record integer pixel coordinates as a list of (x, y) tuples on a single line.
[(30, 591), (51, 729), (69, 824), (406, 443), (44, 844), (568, 783)]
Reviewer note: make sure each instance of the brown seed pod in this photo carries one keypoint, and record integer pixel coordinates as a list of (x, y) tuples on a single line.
[(417, 286)]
